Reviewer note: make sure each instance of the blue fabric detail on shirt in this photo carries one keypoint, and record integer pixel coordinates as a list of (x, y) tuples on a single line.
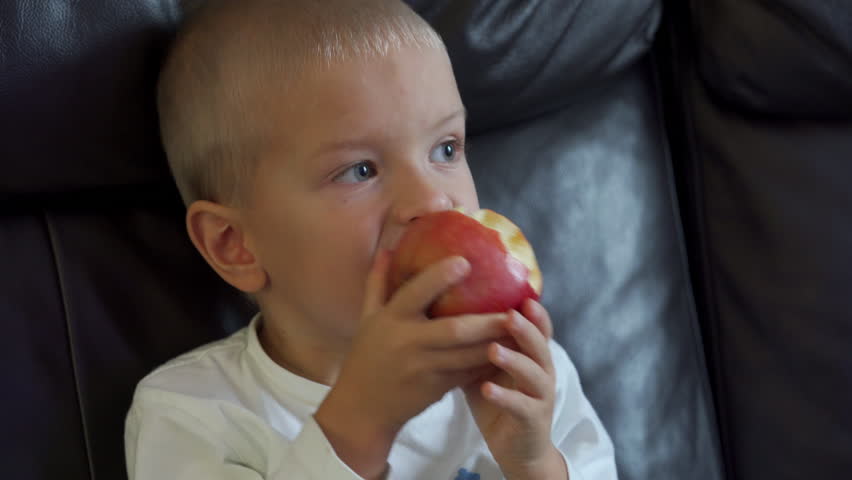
[(465, 475)]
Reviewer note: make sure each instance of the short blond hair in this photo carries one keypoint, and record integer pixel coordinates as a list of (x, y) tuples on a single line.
[(226, 53)]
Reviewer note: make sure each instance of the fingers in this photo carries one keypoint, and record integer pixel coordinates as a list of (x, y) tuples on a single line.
[(538, 315), (508, 342), (530, 378), (375, 293), (415, 296), (531, 341), (517, 404), (463, 330), (530, 368), (460, 367), (461, 359)]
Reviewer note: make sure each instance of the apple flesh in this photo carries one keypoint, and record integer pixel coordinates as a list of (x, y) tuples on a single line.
[(503, 271)]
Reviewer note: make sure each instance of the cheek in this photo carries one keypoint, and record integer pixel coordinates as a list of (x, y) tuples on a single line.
[(344, 241), (323, 268), (342, 257)]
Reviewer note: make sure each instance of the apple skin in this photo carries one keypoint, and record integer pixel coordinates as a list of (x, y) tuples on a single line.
[(497, 281)]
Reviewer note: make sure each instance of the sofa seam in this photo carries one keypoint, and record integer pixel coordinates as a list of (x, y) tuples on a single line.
[(695, 177), (66, 310), (699, 357)]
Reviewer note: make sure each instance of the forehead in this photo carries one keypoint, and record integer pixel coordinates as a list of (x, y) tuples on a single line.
[(397, 94)]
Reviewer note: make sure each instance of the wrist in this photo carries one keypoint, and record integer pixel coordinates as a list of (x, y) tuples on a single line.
[(551, 467), (359, 441)]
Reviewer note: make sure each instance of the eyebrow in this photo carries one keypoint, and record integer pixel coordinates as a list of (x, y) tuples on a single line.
[(462, 112), (353, 144)]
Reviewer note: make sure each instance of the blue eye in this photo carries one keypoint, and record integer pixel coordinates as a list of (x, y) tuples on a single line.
[(360, 172), (446, 152)]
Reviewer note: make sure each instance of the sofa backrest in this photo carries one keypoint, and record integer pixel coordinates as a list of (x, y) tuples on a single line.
[(760, 122), (100, 282)]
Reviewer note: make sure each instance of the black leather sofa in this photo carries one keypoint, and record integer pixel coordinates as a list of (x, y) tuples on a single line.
[(684, 172)]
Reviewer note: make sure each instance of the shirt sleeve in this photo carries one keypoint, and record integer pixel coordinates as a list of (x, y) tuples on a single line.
[(163, 441), (577, 431)]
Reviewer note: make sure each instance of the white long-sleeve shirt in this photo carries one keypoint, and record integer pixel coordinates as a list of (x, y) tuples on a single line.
[(226, 411)]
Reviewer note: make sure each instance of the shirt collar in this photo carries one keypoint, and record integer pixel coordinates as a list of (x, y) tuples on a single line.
[(280, 380)]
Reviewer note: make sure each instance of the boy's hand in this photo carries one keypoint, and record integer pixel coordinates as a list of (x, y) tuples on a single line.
[(400, 362), (514, 407)]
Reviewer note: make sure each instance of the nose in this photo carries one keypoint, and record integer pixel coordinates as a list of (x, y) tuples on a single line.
[(419, 193)]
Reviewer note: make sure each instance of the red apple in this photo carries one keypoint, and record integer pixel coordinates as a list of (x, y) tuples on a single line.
[(503, 272)]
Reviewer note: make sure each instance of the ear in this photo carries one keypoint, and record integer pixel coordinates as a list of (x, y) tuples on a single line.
[(219, 236)]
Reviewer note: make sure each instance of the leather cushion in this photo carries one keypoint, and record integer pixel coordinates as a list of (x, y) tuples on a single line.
[(77, 88), (788, 59)]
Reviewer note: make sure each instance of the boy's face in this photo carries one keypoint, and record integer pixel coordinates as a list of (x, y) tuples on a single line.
[(359, 151)]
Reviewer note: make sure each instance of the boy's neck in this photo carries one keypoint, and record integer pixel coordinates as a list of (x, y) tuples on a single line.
[(300, 353)]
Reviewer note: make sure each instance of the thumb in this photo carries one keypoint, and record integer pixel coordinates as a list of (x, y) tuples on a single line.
[(376, 291)]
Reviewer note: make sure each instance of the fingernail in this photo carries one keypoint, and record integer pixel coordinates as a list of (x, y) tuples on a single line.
[(461, 265), (499, 353), (491, 392)]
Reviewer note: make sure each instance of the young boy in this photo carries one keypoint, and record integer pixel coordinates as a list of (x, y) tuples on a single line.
[(304, 137)]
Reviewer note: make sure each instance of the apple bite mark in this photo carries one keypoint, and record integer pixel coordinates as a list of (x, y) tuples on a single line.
[(515, 241), (503, 272)]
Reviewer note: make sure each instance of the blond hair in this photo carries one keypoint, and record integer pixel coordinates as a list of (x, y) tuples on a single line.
[(210, 93)]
